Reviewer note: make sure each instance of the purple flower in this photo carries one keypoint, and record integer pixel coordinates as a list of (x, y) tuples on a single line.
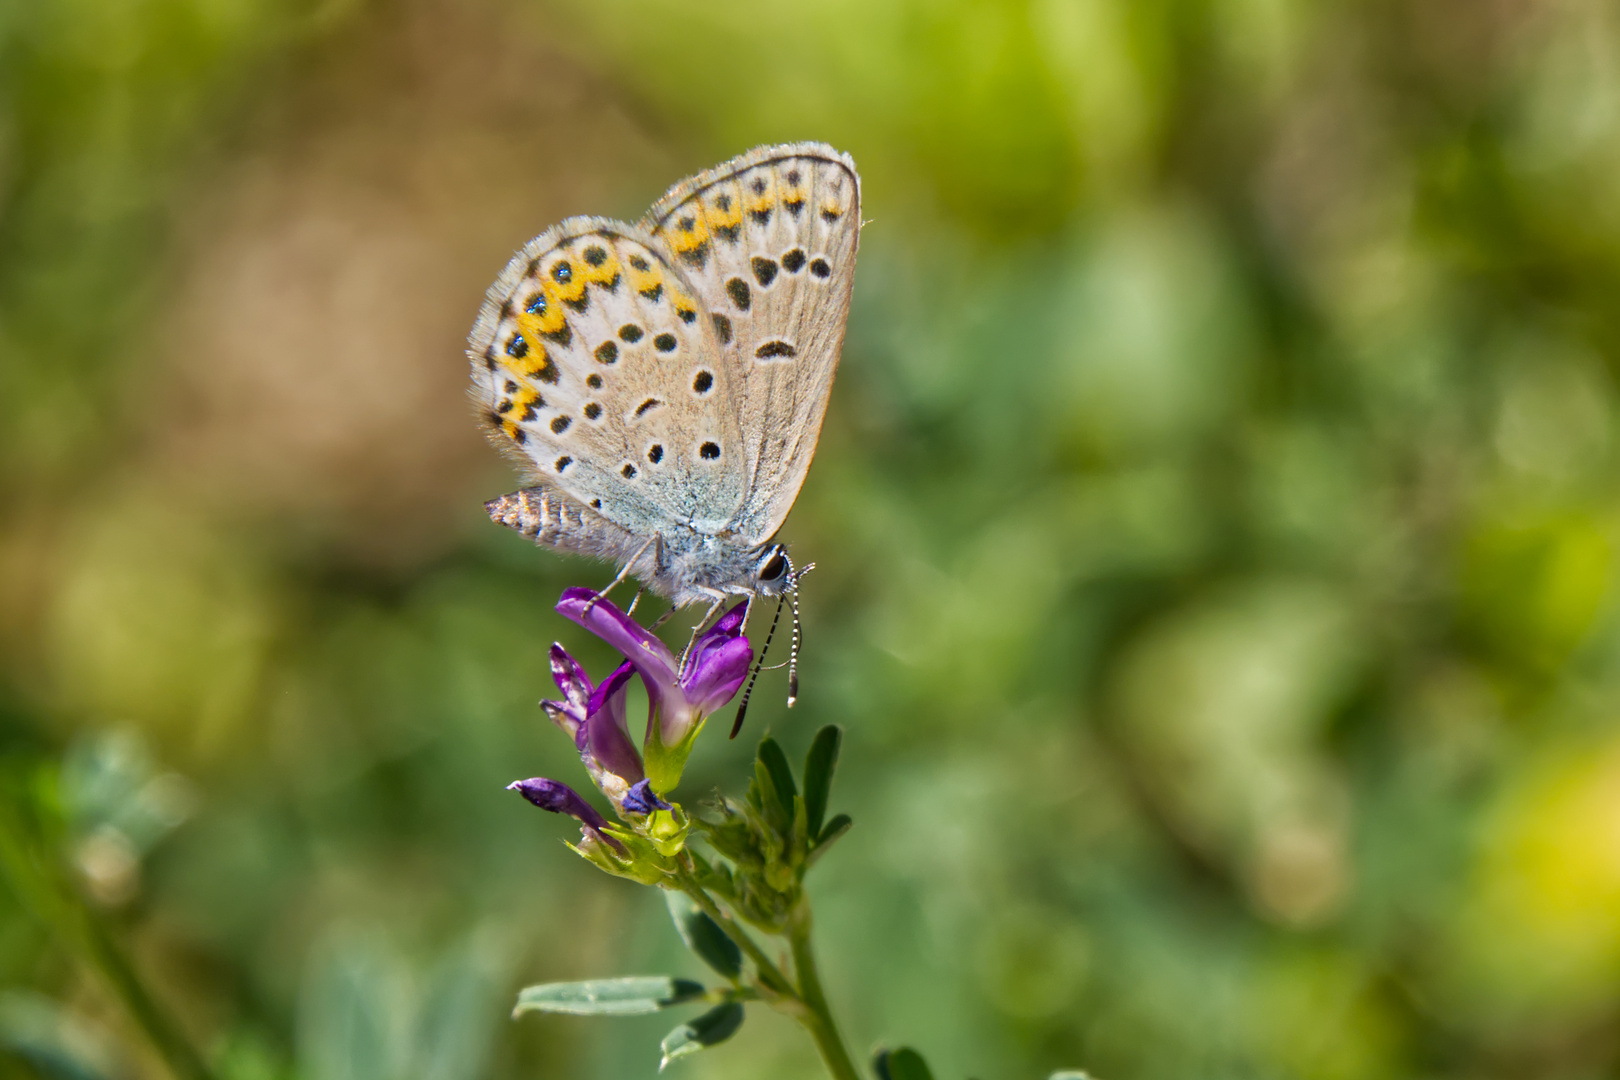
[(562, 799), (594, 718), (642, 799), (681, 696)]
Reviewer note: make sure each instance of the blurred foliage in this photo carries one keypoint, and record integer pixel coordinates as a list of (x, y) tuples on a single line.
[(1215, 515)]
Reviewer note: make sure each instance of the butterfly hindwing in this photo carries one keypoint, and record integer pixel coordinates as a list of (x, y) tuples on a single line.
[(768, 241), (594, 359)]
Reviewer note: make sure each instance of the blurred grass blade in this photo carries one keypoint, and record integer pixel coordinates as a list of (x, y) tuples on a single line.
[(1070, 1074), (629, 996), (818, 773), (902, 1064), (455, 1029), (776, 763), (52, 1040), (715, 1026), (703, 935)]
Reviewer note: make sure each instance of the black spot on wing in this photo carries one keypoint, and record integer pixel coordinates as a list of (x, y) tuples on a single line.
[(793, 261), (722, 327), (737, 289), (764, 270), (772, 349)]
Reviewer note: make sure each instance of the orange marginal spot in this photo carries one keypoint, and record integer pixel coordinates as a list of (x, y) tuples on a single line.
[(561, 292), (607, 271), (549, 321), (687, 228), (645, 274), (723, 207), (684, 306), (759, 191)]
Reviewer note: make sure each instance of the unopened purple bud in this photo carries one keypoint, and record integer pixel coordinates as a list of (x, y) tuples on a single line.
[(642, 799), (559, 799)]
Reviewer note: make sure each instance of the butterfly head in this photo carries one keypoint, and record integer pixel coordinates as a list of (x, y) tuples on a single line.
[(773, 571)]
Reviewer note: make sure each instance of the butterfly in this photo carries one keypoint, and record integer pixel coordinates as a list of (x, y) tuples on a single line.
[(665, 382)]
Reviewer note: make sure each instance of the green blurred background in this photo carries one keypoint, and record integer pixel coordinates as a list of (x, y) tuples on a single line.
[(1216, 523)]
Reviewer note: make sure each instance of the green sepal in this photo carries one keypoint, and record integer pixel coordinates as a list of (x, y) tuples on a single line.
[(818, 774), (633, 995), (902, 1064), (666, 830), (703, 935), (666, 763), (715, 1026), (643, 862)]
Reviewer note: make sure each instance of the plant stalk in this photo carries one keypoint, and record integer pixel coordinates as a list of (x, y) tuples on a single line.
[(817, 1016), (770, 976)]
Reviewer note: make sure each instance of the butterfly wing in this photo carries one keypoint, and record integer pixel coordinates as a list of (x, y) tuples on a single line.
[(768, 240), (591, 359)]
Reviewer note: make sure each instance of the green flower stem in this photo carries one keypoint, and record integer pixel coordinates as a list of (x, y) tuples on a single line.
[(806, 1002), (770, 976), (817, 1016), (83, 933)]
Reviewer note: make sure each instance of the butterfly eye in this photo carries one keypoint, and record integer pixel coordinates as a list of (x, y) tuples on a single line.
[(774, 568)]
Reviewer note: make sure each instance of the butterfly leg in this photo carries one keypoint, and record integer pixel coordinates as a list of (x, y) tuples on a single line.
[(624, 572), (707, 615)]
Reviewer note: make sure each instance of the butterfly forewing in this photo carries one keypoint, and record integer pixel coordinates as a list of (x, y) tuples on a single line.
[(768, 241), (594, 357)]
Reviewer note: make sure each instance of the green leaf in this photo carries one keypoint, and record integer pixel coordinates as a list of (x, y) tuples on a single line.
[(715, 1026), (629, 996), (703, 935), (818, 774), (837, 827), (776, 763), (902, 1064)]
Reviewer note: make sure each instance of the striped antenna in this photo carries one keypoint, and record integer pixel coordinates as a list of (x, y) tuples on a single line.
[(798, 637), (742, 707)]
